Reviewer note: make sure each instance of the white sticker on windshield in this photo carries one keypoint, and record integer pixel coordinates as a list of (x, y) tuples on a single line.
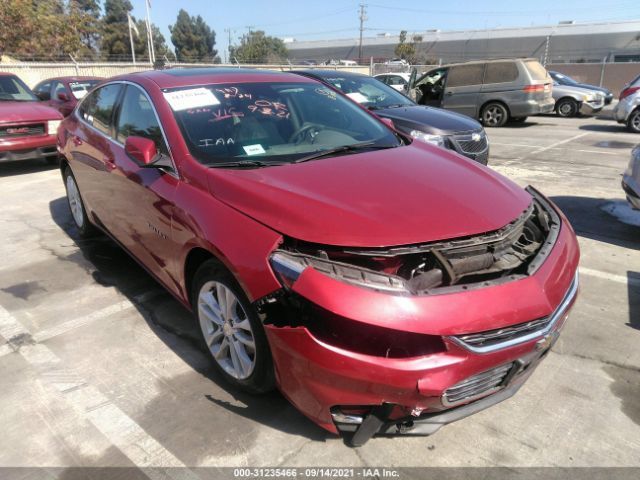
[(254, 149), (191, 98), (357, 97)]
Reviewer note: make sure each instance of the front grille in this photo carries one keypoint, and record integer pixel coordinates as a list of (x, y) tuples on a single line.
[(467, 144), (493, 337), (14, 131), (477, 386)]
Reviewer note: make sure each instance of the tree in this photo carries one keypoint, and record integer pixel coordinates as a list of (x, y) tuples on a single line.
[(84, 19), (192, 38), (256, 47), (20, 15), (141, 45), (408, 51), (115, 29)]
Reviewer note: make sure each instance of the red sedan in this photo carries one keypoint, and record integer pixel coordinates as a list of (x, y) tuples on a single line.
[(63, 93), (384, 286)]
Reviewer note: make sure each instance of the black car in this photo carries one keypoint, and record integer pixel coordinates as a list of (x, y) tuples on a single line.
[(442, 128), (563, 79)]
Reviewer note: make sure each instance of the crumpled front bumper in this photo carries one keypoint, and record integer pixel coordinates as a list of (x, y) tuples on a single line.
[(318, 377)]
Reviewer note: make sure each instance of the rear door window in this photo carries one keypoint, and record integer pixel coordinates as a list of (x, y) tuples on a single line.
[(465, 75), (536, 70), (97, 109), (501, 72)]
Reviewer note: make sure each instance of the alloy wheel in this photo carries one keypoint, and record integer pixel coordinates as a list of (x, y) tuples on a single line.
[(226, 330), (634, 122), (75, 202), (493, 116)]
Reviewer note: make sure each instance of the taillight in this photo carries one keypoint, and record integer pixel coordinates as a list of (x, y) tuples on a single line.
[(628, 91), (533, 88)]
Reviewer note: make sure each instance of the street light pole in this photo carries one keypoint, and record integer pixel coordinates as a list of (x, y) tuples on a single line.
[(363, 17)]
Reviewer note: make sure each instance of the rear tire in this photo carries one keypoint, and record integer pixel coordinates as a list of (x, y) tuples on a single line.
[(52, 161), (494, 114), (633, 123), (567, 108), (76, 205), (231, 333)]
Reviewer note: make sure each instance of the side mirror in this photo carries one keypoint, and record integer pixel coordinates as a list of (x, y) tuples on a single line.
[(388, 122), (141, 149), (63, 96), (43, 96)]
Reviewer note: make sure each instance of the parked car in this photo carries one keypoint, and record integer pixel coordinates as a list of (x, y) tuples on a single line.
[(631, 179), (384, 285), (439, 127), (571, 100), (63, 93), (397, 61), (494, 91), (627, 110), (398, 81), (27, 127), (562, 79), (347, 63)]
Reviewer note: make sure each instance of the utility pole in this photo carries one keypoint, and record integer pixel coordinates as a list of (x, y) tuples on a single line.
[(229, 31), (363, 18)]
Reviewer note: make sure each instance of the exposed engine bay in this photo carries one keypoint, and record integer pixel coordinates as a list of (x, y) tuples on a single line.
[(508, 253)]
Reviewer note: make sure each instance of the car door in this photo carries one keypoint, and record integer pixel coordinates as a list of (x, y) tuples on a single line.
[(462, 89), (92, 150), (57, 89), (142, 201)]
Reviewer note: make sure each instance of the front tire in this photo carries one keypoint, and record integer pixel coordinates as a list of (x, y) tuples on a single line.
[(633, 123), (230, 330), (76, 205), (494, 114), (567, 108)]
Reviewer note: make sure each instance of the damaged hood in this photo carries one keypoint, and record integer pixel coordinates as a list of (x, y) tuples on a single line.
[(13, 112), (412, 194)]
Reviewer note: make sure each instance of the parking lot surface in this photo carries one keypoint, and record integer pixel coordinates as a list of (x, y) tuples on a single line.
[(98, 364)]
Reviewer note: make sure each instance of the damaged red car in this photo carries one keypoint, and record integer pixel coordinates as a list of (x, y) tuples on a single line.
[(385, 286)]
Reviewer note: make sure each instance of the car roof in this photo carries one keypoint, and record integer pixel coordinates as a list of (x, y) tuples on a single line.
[(183, 77), (77, 78), (493, 60), (8, 74)]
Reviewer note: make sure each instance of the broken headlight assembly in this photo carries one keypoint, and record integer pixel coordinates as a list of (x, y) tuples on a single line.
[(512, 252)]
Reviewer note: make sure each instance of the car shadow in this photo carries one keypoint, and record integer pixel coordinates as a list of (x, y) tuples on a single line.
[(612, 128), (174, 326), (633, 287), (21, 167), (516, 125), (589, 220)]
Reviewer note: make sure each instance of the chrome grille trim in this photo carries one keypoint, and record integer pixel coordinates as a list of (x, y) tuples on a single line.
[(30, 130), (466, 145), (485, 342), (479, 385)]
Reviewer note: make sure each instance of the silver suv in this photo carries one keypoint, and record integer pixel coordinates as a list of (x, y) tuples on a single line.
[(493, 91)]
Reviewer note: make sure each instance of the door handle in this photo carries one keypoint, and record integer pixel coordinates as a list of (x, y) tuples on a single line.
[(109, 163), (77, 141)]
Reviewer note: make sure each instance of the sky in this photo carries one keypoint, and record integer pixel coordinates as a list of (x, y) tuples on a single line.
[(325, 19)]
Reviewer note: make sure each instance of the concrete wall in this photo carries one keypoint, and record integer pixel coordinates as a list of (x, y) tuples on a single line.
[(32, 73)]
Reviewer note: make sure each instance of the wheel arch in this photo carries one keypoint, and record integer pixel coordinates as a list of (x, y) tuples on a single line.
[(566, 97)]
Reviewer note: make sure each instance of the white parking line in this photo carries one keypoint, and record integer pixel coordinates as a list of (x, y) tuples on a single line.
[(554, 145), (635, 281), (600, 152), (89, 403)]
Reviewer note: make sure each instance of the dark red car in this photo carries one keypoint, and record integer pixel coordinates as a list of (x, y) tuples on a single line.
[(27, 127), (63, 93), (384, 286)]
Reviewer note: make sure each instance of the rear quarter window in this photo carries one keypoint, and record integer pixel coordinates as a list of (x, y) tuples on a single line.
[(536, 70), (501, 72), (465, 75)]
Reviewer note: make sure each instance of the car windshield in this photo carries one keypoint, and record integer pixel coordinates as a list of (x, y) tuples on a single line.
[(369, 91), (80, 89), (564, 79), (14, 89), (262, 124)]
